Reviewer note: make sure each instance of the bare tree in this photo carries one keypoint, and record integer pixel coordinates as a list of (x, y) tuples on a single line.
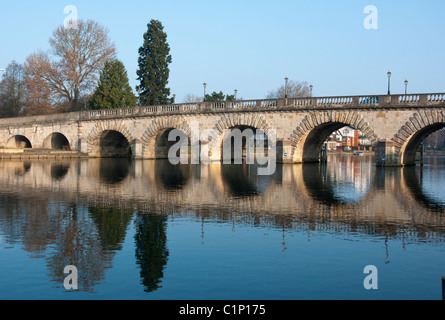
[(40, 99), (70, 68), (295, 89), (191, 98)]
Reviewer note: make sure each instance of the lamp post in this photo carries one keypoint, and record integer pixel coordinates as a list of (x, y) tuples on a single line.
[(389, 82), (205, 85), (311, 87), (406, 86), (174, 97), (285, 86), (236, 91)]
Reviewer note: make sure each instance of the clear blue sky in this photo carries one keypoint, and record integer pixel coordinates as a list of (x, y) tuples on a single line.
[(254, 45)]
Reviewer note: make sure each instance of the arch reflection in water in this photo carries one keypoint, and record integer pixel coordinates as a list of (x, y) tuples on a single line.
[(427, 183), (342, 181), (243, 179), (22, 168), (59, 170), (113, 171), (172, 177)]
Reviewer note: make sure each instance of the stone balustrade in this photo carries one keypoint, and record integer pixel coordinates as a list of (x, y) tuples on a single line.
[(303, 104)]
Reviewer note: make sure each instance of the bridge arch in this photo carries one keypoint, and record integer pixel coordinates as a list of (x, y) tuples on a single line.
[(155, 144), (19, 142), (219, 134), (57, 141), (308, 137), (415, 131), (110, 139)]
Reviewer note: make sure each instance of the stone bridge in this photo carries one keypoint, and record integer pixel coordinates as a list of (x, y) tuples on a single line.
[(395, 124)]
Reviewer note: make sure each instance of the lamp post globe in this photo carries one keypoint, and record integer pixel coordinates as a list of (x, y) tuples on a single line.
[(286, 80), (389, 81)]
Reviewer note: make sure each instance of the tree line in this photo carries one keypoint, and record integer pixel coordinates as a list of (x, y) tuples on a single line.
[(81, 71)]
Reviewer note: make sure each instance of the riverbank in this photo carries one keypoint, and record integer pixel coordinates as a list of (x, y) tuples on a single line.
[(352, 153), (52, 154), (434, 153), (39, 154)]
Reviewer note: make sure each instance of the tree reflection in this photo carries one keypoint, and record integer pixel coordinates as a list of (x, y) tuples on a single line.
[(78, 243), (151, 249), (111, 224)]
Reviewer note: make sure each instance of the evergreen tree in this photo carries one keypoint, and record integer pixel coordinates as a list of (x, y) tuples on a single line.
[(12, 91), (153, 73), (114, 90), (215, 96)]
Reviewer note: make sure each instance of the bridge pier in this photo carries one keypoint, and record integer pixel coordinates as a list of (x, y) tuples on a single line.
[(82, 145), (136, 149), (284, 151), (386, 154)]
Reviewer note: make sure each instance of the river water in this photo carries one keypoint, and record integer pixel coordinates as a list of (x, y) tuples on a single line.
[(151, 230)]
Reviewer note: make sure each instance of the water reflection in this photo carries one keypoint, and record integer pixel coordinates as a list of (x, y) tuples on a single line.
[(243, 180), (111, 225), (340, 182), (22, 168), (151, 249), (75, 241), (59, 170), (170, 176), (113, 171), (85, 219)]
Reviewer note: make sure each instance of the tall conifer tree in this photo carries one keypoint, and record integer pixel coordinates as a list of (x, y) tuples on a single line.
[(114, 90), (154, 59)]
